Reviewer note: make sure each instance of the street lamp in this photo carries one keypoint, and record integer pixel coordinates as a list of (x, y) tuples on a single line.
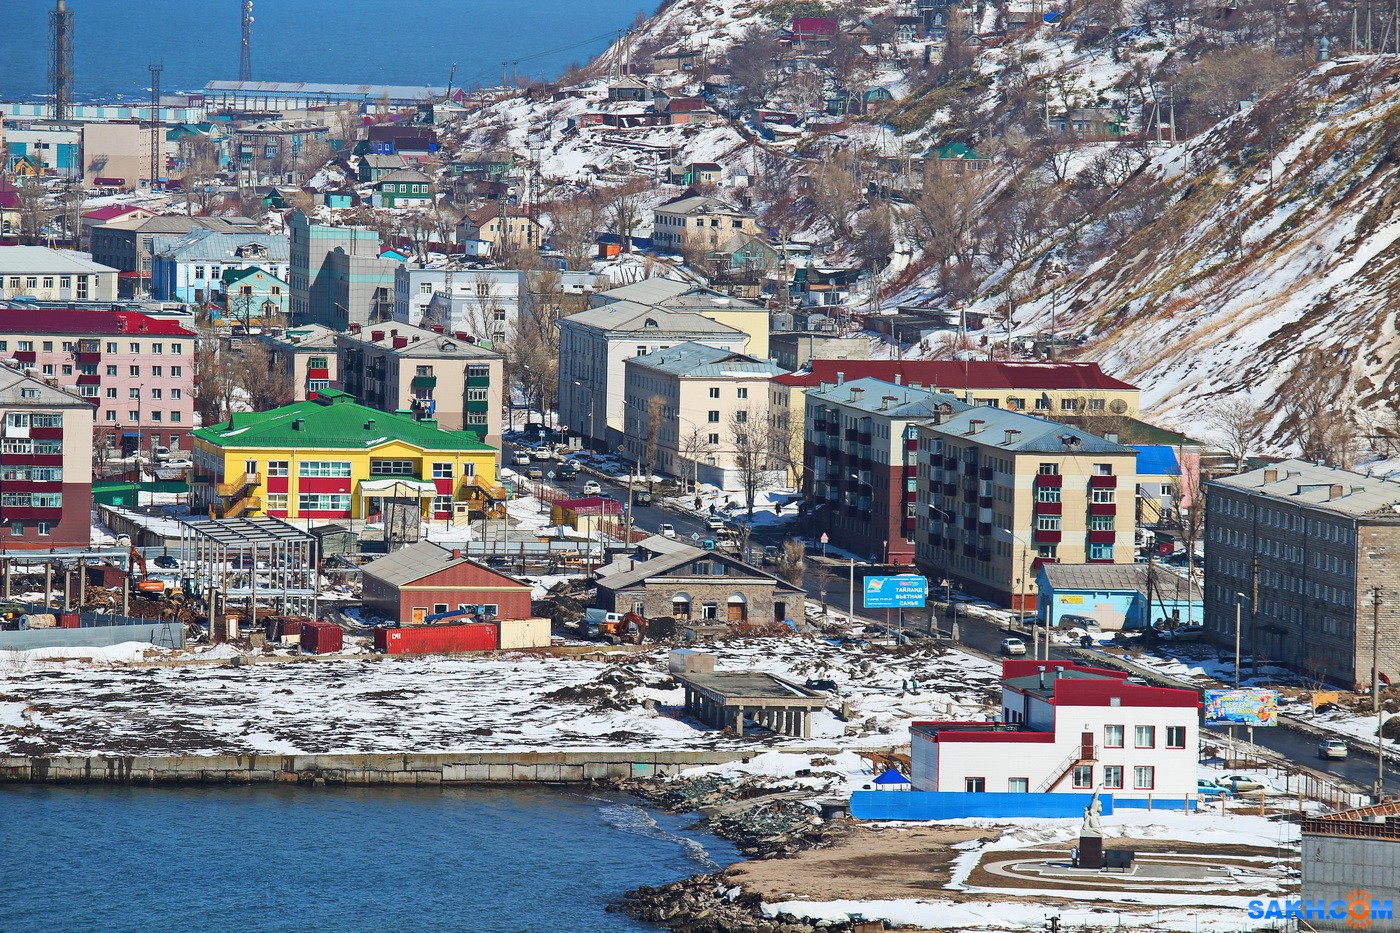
[(590, 413), (1238, 597)]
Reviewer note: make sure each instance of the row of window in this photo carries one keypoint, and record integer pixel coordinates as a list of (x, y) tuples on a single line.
[(1144, 736), (71, 346), (133, 416), (17, 529), (32, 281), (335, 502), (32, 474), (1097, 495), (25, 445), (1053, 522), (341, 469), (31, 500), (23, 419), (1144, 778)]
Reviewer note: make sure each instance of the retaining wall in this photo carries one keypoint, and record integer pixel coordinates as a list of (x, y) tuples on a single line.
[(164, 634), (420, 769)]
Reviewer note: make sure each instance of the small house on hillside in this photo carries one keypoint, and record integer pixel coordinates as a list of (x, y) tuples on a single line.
[(403, 188), (628, 88), (422, 580)]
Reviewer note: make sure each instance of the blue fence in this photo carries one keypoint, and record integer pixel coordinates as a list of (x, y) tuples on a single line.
[(931, 805)]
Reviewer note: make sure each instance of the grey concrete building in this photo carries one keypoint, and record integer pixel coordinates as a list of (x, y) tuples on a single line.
[(667, 578), (1344, 854), (336, 276), (1305, 558)]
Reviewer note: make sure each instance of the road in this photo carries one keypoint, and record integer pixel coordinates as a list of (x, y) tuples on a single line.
[(828, 581)]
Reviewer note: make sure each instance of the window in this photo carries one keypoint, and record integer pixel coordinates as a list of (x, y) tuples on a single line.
[(709, 611), (47, 369), (479, 371), (442, 503), (1047, 551), (156, 371), (425, 288), (1047, 494), (1101, 552), (112, 348), (336, 469), (175, 370), (1042, 403), (1018, 785), (177, 348), (713, 439), (174, 416), (1100, 522), (313, 502), (157, 348), (476, 395), (17, 419), (1113, 777), (176, 393), (1144, 777), (277, 468), (392, 468), (26, 346), (198, 271), (1069, 404), (111, 370), (17, 529), (743, 393), (111, 415), (741, 416), (1083, 775), (276, 501), (133, 393), (1049, 469), (1102, 496), (975, 785), (48, 346), (1047, 523), (87, 391), (714, 391), (155, 416), (133, 347), (45, 528), (31, 281), (65, 281), (442, 471), (135, 371), (712, 417), (1176, 736), (1112, 736), (1103, 469), (1145, 736)]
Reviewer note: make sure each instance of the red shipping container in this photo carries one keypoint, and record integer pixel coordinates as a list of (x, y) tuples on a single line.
[(321, 637), (436, 639), (68, 620)]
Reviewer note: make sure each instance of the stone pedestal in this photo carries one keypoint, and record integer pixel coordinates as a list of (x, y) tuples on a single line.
[(1091, 852)]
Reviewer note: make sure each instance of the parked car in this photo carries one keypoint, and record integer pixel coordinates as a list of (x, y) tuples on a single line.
[(162, 453), (826, 686), (168, 562), (592, 488), (1205, 787), (521, 459), (1013, 647), (715, 523), (1335, 749), (177, 463), (567, 472), (1244, 784), (667, 530), (641, 496), (1087, 623), (535, 472), (1182, 633)]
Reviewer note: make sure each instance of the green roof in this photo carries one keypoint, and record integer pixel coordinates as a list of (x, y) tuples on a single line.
[(333, 420)]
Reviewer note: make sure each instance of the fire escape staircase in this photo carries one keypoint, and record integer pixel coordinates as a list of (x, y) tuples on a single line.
[(238, 498), (1085, 755)]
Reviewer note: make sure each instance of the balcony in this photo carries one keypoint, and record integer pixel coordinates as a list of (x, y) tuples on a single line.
[(1049, 508), (819, 427), (986, 474), (984, 502), (424, 382), (230, 489), (1103, 508), (1049, 479), (969, 524), (850, 435), (1046, 536), (88, 358), (1103, 537), (984, 529), (1103, 482)]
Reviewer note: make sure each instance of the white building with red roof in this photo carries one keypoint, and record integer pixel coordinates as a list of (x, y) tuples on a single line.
[(1067, 728)]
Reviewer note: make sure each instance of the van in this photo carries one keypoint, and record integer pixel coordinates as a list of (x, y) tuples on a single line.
[(1087, 623)]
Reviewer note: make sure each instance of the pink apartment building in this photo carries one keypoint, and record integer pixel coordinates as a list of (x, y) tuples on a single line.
[(136, 369)]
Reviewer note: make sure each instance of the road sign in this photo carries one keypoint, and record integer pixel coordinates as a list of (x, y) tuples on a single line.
[(825, 537), (695, 536), (550, 474), (905, 591)]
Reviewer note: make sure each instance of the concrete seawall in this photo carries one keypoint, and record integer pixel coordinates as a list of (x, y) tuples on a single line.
[(365, 769)]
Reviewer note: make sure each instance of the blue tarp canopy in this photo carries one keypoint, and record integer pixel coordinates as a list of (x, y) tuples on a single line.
[(891, 776), (1156, 460)]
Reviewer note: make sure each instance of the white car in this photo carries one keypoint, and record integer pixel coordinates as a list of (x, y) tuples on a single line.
[(1336, 749), (592, 488), (1013, 647), (667, 530), (715, 523), (522, 459), (177, 464)]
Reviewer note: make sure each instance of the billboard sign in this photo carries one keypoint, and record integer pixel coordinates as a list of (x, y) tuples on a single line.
[(1241, 707), (906, 591)]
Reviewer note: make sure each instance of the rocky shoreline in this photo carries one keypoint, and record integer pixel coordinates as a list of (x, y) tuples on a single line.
[(764, 822)]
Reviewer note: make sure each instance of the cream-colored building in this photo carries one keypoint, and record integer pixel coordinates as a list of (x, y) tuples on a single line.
[(1000, 493), (306, 357), (696, 400), (747, 316), (508, 229), (426, 375), (54, 275), (119, 152), (701, 222)]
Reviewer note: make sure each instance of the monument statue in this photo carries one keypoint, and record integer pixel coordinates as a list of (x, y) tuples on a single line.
[(1093, 826)]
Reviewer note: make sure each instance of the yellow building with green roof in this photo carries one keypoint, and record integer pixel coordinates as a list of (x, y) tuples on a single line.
[(331, 458)]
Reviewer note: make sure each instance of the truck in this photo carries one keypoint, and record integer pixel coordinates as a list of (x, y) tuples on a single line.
[(596, 621), (614, 627)]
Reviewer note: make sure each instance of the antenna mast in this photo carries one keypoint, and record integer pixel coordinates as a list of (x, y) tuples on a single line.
[(245, 60), (61, 59), (157, 150)]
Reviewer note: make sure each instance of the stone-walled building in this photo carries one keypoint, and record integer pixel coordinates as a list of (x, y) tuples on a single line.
[(1308, 553)]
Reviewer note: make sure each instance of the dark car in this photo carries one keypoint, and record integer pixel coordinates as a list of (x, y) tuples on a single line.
[(166, 562), (566, 472), (826, 686)]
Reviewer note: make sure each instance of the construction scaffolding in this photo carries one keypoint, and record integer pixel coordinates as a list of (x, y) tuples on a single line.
[(242, 564)]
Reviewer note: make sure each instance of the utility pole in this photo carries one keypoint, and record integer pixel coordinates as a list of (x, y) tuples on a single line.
[(61, 59), (1376, 687), (245, 56), (1253, 615), (157, 150)]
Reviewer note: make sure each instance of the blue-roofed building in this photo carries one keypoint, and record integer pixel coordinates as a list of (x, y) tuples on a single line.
[(699, 401), (1159, 481), (191, 268)]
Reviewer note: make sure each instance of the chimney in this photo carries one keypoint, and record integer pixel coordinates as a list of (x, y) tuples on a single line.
[(885, 402), (299, 424), (1271, 476), (975, 426), (400, 343), (1042, 676), (460, 335), (438, 328), (369, 425), (394, 332), (354, 327), (840, 378), (1357, 489), (856, 393), (456, 551), (898, 379), (376, 335), (1011, 435), (1335, 491)]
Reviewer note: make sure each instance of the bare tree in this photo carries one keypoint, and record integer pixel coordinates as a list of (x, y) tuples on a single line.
[(695, 447), (656, 412), (753, 461), (945, 217), (792, 561), (1240, 424), (265, 386), (214, 383), (836, 191), (34, 210), (1317, 400), (575, 224), (626, 217)]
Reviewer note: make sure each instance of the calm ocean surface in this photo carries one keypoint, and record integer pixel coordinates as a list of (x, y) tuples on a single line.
[(344, 41), (274, 858)]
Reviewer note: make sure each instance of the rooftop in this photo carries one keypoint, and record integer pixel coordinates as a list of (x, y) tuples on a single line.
[(631, 317), (203, 244), (333, 420), (304, 337), (751, 685), (698, 361), (14, 383), (416, 561), (19, 260), (1320, 487), (56, 321), (888, 399), (242, 533), (700, 204), (1123, 577), (418, 342), (304, 88), (1013, 431), (961, 374)]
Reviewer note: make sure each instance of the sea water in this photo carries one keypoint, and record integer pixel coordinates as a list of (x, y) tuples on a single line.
[(410, 42), (266, 857)]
